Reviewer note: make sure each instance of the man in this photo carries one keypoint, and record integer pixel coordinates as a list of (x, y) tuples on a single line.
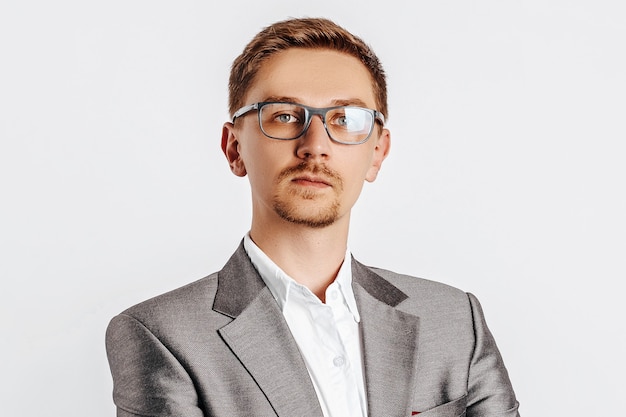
[(293, 325)]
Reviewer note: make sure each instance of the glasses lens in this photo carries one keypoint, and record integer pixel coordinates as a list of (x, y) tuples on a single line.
[(282, 120), (349, 124)]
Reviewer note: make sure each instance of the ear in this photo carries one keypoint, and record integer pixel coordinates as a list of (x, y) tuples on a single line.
[(381, 151), (230, 147)]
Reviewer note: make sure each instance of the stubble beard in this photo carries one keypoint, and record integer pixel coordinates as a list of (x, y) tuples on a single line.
[(293, 204)]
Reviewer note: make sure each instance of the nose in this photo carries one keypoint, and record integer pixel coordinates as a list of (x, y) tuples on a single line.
[(315, 142)]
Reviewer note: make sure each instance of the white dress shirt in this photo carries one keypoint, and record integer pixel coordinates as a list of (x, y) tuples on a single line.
[(327, 334)]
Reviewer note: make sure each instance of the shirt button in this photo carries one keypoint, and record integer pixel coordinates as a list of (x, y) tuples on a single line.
[(339, 361), (334, 295)]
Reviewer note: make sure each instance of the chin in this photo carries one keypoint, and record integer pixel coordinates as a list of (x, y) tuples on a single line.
[(313, 217)]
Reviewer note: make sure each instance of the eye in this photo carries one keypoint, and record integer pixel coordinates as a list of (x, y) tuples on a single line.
[(341, 121), (286, 118), (345, 121), (350, 119)]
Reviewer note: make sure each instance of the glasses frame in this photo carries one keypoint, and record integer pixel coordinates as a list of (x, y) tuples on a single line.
[(309, 112)]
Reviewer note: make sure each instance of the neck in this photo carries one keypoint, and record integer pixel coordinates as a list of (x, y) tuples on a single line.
[(311, 256)]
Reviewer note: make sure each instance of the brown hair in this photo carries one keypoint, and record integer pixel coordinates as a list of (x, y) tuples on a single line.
[(301, 33)]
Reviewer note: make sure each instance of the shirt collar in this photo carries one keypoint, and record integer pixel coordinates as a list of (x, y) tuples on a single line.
[(279, 283)]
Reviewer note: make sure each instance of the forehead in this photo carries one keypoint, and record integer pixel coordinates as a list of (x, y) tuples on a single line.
[(316, 77)]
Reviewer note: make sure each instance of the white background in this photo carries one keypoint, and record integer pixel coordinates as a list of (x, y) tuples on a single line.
[(506, 178)]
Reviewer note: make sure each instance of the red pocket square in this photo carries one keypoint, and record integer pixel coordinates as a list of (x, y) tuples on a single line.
[(414, 413)]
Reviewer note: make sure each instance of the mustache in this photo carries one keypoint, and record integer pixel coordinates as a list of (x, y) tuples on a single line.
[(329, 175)]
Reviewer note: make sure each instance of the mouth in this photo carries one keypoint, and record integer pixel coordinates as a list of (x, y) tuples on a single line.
[(312, 177), (312, 181)]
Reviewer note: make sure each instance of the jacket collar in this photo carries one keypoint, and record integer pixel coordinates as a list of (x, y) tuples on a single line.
[(389, 340), (260, 338)]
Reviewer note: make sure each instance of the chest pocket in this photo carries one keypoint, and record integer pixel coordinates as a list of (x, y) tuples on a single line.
[(454, 408)]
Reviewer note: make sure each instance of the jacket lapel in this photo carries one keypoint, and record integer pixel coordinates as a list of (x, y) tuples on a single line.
[(260, 338), (389, 343)]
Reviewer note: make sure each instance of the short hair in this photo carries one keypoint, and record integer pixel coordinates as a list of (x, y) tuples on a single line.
[(302, 33)]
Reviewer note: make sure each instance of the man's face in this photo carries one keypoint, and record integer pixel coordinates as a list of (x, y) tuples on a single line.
[(311, 180)]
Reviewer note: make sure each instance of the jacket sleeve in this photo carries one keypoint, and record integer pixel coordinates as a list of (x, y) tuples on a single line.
[(148, 380), (489, 389)]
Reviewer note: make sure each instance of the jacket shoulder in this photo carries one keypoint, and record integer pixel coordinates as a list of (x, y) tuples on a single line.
[(177, 306)]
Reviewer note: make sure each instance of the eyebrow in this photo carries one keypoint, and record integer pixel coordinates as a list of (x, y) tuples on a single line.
[(335, 102)]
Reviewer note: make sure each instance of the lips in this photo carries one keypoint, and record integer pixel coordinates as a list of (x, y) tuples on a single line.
[(312, 180), (311, 175)]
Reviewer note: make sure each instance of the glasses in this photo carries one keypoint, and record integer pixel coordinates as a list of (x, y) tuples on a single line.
[(349, 125)]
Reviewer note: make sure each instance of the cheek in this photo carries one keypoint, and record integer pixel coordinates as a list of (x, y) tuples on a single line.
[(356, 165), (354, 176), (263, 160)]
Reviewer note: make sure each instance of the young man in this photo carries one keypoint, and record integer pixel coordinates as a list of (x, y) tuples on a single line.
[(293, 325)]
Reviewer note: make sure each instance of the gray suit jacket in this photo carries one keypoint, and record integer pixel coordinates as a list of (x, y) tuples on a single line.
[(221, 347)]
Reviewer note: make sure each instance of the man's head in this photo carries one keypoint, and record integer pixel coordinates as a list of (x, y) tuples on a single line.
[(302, 33), (307, 126)]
